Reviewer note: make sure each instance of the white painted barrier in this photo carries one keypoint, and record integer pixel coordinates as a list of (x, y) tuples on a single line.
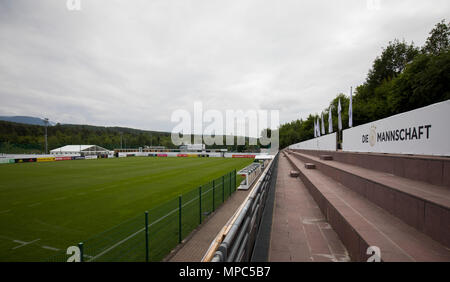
[(29, 156), (424, 131), (186, 154), (91, 157), (322, 143)]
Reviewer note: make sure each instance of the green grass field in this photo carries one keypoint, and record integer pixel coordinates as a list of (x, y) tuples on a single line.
[(46, 207)]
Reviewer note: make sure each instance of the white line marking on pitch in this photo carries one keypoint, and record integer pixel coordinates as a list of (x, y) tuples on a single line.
[(35, 204), (23, 243), (50, 248), (5, 211)]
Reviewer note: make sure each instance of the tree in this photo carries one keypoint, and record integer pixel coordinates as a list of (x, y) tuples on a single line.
[(424, 82), (371, 98), (391, 63), (439, 39)]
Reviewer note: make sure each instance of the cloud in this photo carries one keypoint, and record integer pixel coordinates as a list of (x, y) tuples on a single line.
[(132, 63)]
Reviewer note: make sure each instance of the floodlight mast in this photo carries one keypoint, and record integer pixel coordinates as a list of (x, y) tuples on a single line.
[(46, 143)]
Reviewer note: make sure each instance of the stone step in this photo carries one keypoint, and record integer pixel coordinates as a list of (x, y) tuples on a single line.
[(430, 169), (361, 224), (424, 206)]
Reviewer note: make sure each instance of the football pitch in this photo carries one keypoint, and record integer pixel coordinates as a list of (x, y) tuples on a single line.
[(47, 207)]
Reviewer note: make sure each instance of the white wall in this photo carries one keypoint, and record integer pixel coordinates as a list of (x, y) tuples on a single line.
[(92, 157), (28, 156), (174, 154), (428, 127), (322, 143), (169, 154)]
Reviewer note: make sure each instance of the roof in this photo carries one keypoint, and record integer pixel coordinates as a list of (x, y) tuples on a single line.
[(78, 148), (264, 157)]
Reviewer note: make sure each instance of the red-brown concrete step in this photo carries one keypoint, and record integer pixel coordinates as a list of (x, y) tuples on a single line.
[(430, 169), (326, 157), (360, 223), (299, 229), (424, 206), (310, 166)]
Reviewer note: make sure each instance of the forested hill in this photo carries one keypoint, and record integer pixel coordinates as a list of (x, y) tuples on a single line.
[(404, 77), (26, 138)]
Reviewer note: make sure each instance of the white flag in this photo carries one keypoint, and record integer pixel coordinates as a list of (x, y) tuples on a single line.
[(323, 126), (339, 115), (318, 127), (350, 111), (315, 129), (330, 120)]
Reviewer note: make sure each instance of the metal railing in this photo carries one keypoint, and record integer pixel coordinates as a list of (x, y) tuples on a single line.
[(240, 234)]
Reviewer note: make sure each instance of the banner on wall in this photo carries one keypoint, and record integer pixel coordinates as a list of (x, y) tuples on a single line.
[(63, 158), (92, 157), (423, 131), (244, 156), (52, 159), (25, 160)]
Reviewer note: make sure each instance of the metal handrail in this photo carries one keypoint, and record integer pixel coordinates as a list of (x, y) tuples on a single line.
[(236, 240)]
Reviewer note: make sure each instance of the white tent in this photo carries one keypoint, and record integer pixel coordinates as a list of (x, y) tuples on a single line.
[(82, 150)]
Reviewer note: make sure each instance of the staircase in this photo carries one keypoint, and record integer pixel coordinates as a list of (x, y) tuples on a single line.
[(400, 204)]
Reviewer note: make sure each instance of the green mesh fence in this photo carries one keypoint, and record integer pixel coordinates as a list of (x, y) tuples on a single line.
[(167, 225)]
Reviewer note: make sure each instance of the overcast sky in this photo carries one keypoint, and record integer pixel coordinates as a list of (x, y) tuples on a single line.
[(132, 63)]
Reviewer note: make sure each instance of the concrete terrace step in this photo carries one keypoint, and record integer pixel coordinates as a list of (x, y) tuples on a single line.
[(360, 223), (431, 169), (299, 231), (424, 206)]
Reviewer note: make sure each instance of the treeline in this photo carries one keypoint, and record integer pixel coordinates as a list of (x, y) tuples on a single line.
[(404, 77), (24, 138)]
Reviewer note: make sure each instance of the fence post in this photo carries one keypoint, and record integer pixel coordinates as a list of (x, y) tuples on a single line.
[(80, 246), (229, 183), (234, 176), (179, 219), (146, 236), (214, 195), (200, 202), (223, 188)]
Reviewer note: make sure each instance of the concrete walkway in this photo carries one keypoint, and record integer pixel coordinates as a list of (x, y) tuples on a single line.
[(196, 245), (299, 230)]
